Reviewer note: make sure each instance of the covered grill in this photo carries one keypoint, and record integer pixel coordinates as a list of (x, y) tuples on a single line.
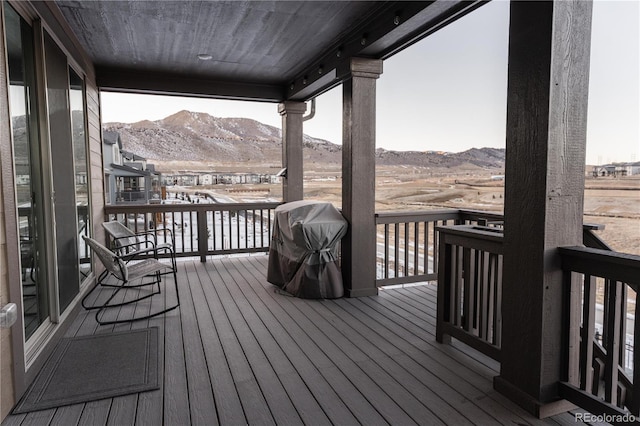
[(303, 256)]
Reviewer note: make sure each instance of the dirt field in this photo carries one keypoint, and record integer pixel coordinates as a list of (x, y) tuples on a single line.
[(613, 202)]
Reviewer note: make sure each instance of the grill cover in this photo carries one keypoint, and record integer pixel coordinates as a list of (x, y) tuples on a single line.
[(303, 256)]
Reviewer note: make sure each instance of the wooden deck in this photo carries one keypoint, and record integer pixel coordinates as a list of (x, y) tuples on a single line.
[(239, 352)]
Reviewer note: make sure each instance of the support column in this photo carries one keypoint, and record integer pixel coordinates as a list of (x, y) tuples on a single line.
[(358, 177), (548, 81), (292, 183)]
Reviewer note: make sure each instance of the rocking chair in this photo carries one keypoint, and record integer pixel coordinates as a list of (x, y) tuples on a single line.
[(126, 270)]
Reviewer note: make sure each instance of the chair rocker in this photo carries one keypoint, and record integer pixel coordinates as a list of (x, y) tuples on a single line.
[(124, 270)]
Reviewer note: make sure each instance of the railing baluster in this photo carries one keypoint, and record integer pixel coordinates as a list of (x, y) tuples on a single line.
[(483, 326), (498, 304), (458, 258), (406, 249), (634, 405), (623, 325), (386, 250), (253, 226), (202, 235), (416, 248), (614, 288), (246, 228), (425, 248), (396, 249), (215, 234), (230, 229), (588, 332)]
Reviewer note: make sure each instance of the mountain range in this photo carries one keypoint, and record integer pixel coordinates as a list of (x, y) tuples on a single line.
[(200, 137)]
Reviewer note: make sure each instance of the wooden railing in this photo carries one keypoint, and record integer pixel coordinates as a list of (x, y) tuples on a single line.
[(202, 229), (599, 378), (470, 287), (470, 282), (407, 242)]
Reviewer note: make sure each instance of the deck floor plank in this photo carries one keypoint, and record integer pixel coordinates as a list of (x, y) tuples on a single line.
[(301, 398), (350, 360), (176, 393), (238, 351), (371, 360), (329, 401), (446, 364), (430, 366), (254, 405), (272, 388), (201, 401), (228, 404), (412, 375), (150, 409), (364, 411), (95, 412), (66, 416), (38, 418)]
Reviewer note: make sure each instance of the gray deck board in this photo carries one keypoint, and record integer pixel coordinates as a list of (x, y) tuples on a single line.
[(237, 351)]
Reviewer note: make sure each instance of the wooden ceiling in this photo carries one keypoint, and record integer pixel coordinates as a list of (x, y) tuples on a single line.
[(262, 50)]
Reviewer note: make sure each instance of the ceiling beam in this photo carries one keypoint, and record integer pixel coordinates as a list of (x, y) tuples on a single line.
[(393, 28), (160, 83)]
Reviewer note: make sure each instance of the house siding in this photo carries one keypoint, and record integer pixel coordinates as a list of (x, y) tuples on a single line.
[(95, 158)]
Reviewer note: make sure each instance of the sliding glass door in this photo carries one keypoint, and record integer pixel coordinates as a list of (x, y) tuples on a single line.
[(50, 154), (62, 161), (27, 169)]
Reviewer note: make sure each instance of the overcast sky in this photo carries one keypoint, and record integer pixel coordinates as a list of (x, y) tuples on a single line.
[(448, 92)]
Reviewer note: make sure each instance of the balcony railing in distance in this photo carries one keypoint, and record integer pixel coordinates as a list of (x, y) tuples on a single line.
[(202, 229)]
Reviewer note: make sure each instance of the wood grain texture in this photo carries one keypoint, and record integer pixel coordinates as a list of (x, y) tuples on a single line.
[(358, 177), (546, 124), (292, 134)]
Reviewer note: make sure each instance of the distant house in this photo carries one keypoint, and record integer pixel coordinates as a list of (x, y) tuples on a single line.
[(617, 170), (128, 177), (205, 179), (632, 168), (182, 179)]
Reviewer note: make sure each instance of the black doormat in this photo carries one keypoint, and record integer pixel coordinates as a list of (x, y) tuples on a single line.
[(88, 368)]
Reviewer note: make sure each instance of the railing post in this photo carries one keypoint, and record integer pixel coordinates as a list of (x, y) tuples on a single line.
[(202, 234)]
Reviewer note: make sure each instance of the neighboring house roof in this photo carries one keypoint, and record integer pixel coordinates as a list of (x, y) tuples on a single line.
[(131, 156), (127, 171), (112, 138)]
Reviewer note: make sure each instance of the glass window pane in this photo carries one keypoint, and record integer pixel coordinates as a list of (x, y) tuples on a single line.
[(76, 102)]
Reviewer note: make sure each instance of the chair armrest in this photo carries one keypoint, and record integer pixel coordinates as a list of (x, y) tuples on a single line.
[(165, 231), (128, 257), (146, 233), (132, 247)]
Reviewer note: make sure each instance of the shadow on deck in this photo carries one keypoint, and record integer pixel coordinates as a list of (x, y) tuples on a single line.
[(238, 352)]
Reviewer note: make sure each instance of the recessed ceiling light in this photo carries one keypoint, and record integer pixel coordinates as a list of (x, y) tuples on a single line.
[(204, 56)]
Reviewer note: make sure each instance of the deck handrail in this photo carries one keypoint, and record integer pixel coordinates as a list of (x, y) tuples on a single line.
[(469, 304), (203, 229), (596, 377), (407, 242)]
